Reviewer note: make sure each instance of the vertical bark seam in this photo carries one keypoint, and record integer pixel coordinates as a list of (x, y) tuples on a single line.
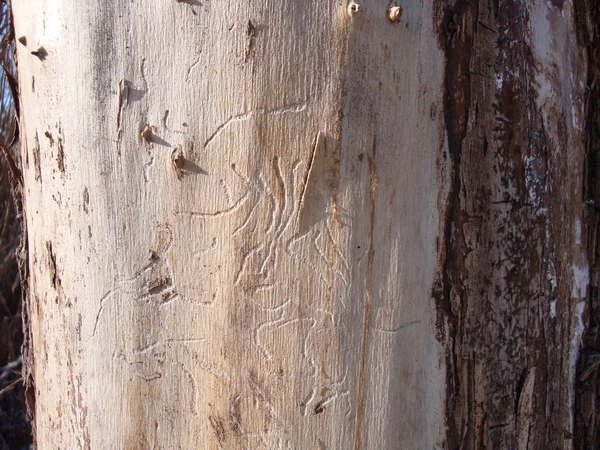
[(368, 300)]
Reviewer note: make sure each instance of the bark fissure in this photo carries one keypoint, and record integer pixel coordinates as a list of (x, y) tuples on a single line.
[(27, 350), (454, 26), (366, 325), (587, 400)]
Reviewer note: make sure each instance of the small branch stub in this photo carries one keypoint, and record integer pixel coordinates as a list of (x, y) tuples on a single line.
[(147, 132), (41, 53), (395, 14), (178, 161), (354, 8)]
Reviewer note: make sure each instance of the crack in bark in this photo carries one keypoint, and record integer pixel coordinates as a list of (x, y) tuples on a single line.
[(368, 300), (587, 395)]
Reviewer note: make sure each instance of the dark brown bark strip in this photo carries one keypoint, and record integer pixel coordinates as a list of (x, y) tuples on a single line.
[(456, 39), (504, 291), (22, 251), (587, 400)]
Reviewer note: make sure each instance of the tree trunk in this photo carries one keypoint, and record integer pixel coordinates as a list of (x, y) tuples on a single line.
[(294, 225)]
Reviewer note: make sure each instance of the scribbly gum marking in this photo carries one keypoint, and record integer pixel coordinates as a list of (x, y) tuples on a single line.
[(287, 335)]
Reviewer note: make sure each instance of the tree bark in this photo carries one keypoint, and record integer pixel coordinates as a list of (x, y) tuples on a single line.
[(516, 272), (293, 225)]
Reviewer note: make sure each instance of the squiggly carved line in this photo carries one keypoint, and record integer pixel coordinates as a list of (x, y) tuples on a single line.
[(256, 335), (283, 188), (145, 348), (194, 399), (294, 108), (192, 67), (169, 243), (401, 327), (274, 308), (292, 196), (224, 212), (299, 258), (318, 248), (246, 221), (240, 272), (102, 303), (261, 288), (309, 398), (337, 249), (324, 257), (284, 218), (272, 204), (123, 287)]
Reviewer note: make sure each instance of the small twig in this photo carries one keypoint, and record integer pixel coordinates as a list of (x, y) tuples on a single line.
[(14, 90), (11, 164), (4, 222), (11, 385), (4, 304), (10, 368), (15, 134)]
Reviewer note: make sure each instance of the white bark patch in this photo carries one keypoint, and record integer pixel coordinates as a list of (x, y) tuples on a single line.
[(581, 279)]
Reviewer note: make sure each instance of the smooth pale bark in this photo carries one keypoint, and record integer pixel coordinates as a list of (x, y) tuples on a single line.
[(248, 302), (260, 225)]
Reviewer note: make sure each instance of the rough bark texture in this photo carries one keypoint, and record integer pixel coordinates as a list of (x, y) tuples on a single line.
[(587, 426), (514, 272), (291, 225)]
